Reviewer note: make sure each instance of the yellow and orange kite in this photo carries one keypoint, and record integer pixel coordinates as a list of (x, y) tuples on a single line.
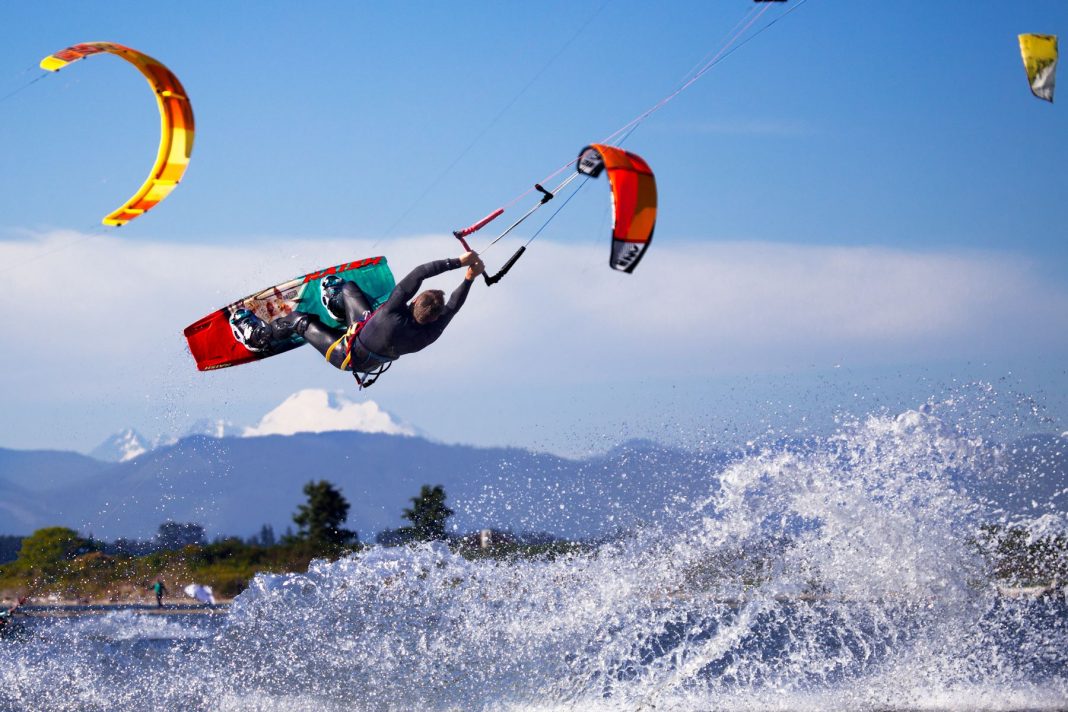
[(176, 131)]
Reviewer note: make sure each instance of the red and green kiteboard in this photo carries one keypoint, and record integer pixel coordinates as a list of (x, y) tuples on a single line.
[(214, 345)]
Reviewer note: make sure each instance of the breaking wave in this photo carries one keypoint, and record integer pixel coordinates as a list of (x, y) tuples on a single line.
[(845, 572)]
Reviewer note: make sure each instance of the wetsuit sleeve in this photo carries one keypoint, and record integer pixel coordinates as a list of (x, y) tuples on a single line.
[(459, 296), (407, 287)]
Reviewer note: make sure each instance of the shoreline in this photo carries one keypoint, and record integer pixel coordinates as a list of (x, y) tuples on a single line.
[(73, 608)]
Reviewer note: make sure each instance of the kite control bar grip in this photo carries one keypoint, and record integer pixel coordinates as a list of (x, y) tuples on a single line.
[(546, 196), (490, 281), (461, 234), (467, 248)]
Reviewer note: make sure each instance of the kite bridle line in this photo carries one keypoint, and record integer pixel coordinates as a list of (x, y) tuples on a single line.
[(692, 76), (511, 102), (719, 55), (546, 196), (728, 48), (490, 281), (28, 84)]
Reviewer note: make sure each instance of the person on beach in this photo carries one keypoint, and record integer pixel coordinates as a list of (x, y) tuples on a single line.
[(159, 590)]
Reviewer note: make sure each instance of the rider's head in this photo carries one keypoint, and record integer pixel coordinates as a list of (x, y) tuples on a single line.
[(427, 307)]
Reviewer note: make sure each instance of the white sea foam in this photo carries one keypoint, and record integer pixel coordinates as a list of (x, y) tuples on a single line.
[(131, 625), (843, 573)]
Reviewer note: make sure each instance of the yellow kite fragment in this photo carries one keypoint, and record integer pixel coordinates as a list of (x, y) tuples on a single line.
[(1040, 60), (176, 132)]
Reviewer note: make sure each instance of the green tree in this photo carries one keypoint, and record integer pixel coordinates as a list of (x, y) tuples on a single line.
[(45, 553), (320, 520), (178, 535), (266, 537), (428, 514)]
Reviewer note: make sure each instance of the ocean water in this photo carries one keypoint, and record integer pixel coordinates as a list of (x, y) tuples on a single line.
[(842, 573)]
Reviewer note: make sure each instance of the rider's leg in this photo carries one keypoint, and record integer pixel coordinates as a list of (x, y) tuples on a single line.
[(357, 305), (344, 300), (322, 338)]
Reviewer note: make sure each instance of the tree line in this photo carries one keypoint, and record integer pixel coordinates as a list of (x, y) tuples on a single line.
[(59, 560)]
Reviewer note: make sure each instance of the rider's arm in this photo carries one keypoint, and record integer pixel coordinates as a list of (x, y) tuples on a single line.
[(458, 297), (407, 287)]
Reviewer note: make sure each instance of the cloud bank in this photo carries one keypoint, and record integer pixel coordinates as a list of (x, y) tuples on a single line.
[(105, 300), (98, 320)]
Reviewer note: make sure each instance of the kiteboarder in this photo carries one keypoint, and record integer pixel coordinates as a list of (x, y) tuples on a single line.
[(373, 339), (159, 589)]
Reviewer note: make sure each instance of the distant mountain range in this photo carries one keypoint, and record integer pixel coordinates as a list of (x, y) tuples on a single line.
[(232, 480), (235, 485)]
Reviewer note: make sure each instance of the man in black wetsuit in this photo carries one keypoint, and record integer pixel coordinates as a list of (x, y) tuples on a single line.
[(372, 340)]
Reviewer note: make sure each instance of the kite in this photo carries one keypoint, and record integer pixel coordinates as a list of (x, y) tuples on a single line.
[(1040, 60), (633, 200), (176, 130)]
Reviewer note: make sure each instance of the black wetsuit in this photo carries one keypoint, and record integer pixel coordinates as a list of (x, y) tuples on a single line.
[(392, 331)]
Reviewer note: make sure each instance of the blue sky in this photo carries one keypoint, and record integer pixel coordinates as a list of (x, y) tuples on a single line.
[(865, 197)]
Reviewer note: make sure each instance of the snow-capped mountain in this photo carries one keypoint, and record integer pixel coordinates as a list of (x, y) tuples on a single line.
[(318, 411), (307, 411), (122, 446)]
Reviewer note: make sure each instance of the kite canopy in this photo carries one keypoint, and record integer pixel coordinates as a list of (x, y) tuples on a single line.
[(633, 200), (1040, 60), (176, 131)]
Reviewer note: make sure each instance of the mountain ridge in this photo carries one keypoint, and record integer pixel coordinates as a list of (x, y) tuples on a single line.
[(235, 485)]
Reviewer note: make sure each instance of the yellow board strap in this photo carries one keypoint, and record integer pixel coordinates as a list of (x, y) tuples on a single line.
[(333, 346), (350, 334)]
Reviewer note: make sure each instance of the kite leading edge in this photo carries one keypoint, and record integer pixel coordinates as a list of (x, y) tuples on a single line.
[(176, 129)]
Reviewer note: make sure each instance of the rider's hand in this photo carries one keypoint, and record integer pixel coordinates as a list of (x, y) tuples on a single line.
[(468, 258), (475, 269)]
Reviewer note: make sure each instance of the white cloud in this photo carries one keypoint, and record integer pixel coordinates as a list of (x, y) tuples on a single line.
[(106, 304), (318, 411), (94, 327)]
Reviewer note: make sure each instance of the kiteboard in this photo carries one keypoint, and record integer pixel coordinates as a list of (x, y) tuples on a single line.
[(214, 343)]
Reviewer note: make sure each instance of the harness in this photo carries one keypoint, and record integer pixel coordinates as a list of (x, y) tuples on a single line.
[(366, 378)]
